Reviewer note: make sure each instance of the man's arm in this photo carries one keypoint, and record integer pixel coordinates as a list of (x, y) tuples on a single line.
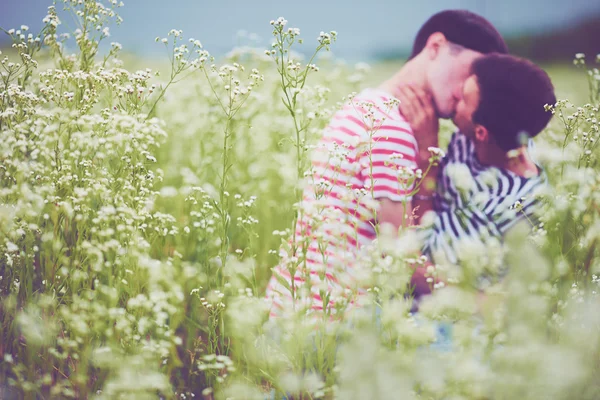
[(417, 107), (391, 151), (395, 213)]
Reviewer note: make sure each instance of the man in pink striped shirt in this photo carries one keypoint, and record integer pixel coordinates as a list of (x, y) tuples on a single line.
[(362, 172)]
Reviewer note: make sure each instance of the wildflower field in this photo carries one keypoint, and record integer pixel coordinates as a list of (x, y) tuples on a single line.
[(140, 214)]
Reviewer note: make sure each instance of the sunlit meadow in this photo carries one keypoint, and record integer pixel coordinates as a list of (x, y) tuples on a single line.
[(140, 214)]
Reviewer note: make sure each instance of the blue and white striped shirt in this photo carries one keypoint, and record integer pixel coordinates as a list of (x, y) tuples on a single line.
[(475, 202)]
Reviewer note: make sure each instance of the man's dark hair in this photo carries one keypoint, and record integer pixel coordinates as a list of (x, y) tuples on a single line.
[(512, 95), (463, 28)]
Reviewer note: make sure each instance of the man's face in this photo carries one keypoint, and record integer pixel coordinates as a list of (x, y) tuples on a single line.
[(447, 76), (467, 105)]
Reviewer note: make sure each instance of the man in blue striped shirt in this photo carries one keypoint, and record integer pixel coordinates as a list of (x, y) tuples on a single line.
[(487, 181)]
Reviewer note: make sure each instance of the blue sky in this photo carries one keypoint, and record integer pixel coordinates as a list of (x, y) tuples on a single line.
[(364, 27)]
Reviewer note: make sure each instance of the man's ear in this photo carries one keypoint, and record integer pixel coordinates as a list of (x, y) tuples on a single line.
[(435, 41), (482, 134)]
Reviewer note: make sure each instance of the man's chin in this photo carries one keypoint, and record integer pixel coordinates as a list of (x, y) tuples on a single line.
[(458, 125), (446, 115)]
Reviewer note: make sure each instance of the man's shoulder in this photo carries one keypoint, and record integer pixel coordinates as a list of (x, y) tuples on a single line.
[(459, 138), (458, 150), (378, 100), (375, 95), (379, 109)]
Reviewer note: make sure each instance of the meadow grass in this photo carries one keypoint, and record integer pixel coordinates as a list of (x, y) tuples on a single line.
[(140, 216)]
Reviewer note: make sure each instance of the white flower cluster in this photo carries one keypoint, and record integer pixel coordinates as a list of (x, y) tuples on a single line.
[(129, 254)]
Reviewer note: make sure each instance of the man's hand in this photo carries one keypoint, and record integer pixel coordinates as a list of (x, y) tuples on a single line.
[(395, 213), (419, 282), (417, 107), (423, 280)]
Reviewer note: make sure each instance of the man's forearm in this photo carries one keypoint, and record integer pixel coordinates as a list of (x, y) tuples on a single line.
[(424, 279), (419, 282)]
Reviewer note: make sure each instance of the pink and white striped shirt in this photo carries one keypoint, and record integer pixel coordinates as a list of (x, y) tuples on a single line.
[(358, 160)]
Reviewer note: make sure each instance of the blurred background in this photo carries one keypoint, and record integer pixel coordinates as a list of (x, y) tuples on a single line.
[(548, 31)]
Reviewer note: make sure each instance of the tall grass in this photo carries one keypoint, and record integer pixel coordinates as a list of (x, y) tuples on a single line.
[(139, 218)]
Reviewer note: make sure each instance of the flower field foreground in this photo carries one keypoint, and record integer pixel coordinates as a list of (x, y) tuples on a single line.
[(140, 216)]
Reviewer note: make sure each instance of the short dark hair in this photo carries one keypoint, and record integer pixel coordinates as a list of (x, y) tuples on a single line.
[(464, 28), (512, 94)]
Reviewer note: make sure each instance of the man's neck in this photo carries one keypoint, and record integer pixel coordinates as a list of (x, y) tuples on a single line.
[(516, 161), (411, 72)]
